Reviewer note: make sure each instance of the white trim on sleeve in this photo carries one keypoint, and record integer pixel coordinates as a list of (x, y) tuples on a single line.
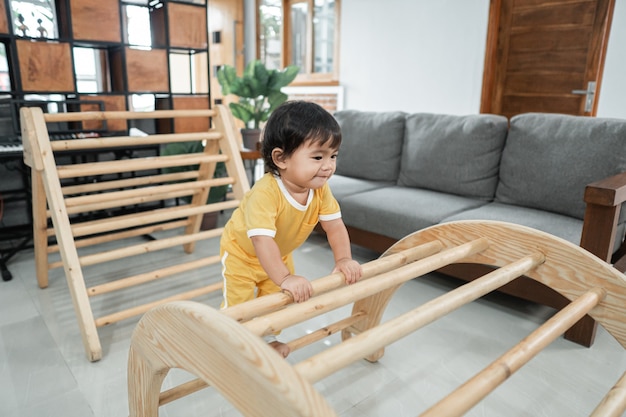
[(329, 217), (261, 232)]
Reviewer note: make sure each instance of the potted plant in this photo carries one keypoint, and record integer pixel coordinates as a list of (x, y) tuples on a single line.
[(216, 194), (259, 94)]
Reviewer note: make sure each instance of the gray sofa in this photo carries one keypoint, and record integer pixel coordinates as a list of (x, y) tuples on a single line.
[(398, 173)]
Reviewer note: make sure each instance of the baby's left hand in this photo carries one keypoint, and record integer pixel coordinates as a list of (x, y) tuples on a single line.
[(350, 269)]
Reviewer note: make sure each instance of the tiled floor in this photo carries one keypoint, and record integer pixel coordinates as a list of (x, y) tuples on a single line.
[(44, 371)]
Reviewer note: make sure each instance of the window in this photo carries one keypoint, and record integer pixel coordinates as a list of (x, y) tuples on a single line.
[(302, 33), (5, 78), (35, 19), (88, 70)]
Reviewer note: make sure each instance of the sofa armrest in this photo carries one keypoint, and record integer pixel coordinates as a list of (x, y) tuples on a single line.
[(604, 200)]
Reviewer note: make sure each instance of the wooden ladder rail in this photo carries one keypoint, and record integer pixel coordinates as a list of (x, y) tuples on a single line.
[(62, 201)]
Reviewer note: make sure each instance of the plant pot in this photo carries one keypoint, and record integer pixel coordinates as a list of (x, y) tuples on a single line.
[(209, 221), (251, 139)]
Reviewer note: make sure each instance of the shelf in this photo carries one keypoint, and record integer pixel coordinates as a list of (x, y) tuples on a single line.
[(45, 66), (111, 103), (87, 55), (147, 70), (95, 20), (4, 26), (188, 27)]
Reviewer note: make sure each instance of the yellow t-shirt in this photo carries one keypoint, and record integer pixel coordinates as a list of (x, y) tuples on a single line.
[(268, 209)]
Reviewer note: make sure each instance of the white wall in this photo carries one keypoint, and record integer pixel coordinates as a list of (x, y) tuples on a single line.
[(613, 91), (427, 56)]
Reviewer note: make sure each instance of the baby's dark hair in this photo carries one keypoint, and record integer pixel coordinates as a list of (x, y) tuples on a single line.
[(294, 122)]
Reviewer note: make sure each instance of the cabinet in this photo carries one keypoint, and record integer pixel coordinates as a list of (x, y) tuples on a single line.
[(66, 55)]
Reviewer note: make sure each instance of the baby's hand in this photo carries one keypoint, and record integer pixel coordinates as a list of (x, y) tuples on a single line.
[(299, 287), (350, 269)]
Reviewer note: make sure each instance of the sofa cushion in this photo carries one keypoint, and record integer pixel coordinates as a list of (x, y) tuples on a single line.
[(453, 154), (343, 186), (398, 211), (371, 144), (565, 227), (548, 160)]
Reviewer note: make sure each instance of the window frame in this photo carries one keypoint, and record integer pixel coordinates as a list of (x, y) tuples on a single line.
[(308, 77)]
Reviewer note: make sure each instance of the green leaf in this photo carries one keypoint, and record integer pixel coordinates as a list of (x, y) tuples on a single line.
[(227, 78), (242, 111), (282, 78), (256, 85), (276, 98), (261, 76)]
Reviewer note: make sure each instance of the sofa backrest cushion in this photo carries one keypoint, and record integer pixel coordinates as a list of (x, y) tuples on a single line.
[(371, 144), (548, 160), (453, 154)]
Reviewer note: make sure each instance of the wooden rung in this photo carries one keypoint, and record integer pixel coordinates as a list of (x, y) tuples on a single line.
[(271, 302), (141, 231), (138, 164), (128, 182), (135, 311), (133, 196), (370, 341), (148, 247), (129, 141), (181, 391), (470, 393), (124, 115), (614, 403), (196, 385), (142, 248), (326, 331), (147, 217), (131, 281), (130, 201), (315, 306)]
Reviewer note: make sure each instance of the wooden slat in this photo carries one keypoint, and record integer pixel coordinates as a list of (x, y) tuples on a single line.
[(131, 281), (470, 393), (365, 343), (138, 164), (129, 182), (125, 115), (134, 196), (111, 237), (614, 403), (130, 141), (141, 309)]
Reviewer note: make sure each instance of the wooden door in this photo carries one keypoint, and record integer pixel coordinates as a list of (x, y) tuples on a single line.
[(542, 55)]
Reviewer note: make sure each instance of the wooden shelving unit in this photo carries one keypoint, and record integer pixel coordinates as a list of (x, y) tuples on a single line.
[(43, 63), (96, 55)]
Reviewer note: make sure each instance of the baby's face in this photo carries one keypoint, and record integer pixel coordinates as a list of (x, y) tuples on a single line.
[(311, 165)]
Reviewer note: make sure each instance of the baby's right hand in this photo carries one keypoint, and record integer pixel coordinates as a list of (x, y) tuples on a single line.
[(299, 287)]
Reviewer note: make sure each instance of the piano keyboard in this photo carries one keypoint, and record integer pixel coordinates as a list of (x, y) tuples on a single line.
[(11, 148)]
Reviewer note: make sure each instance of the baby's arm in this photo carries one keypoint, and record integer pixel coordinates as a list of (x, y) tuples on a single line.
[(339, 241), (269, 257)]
